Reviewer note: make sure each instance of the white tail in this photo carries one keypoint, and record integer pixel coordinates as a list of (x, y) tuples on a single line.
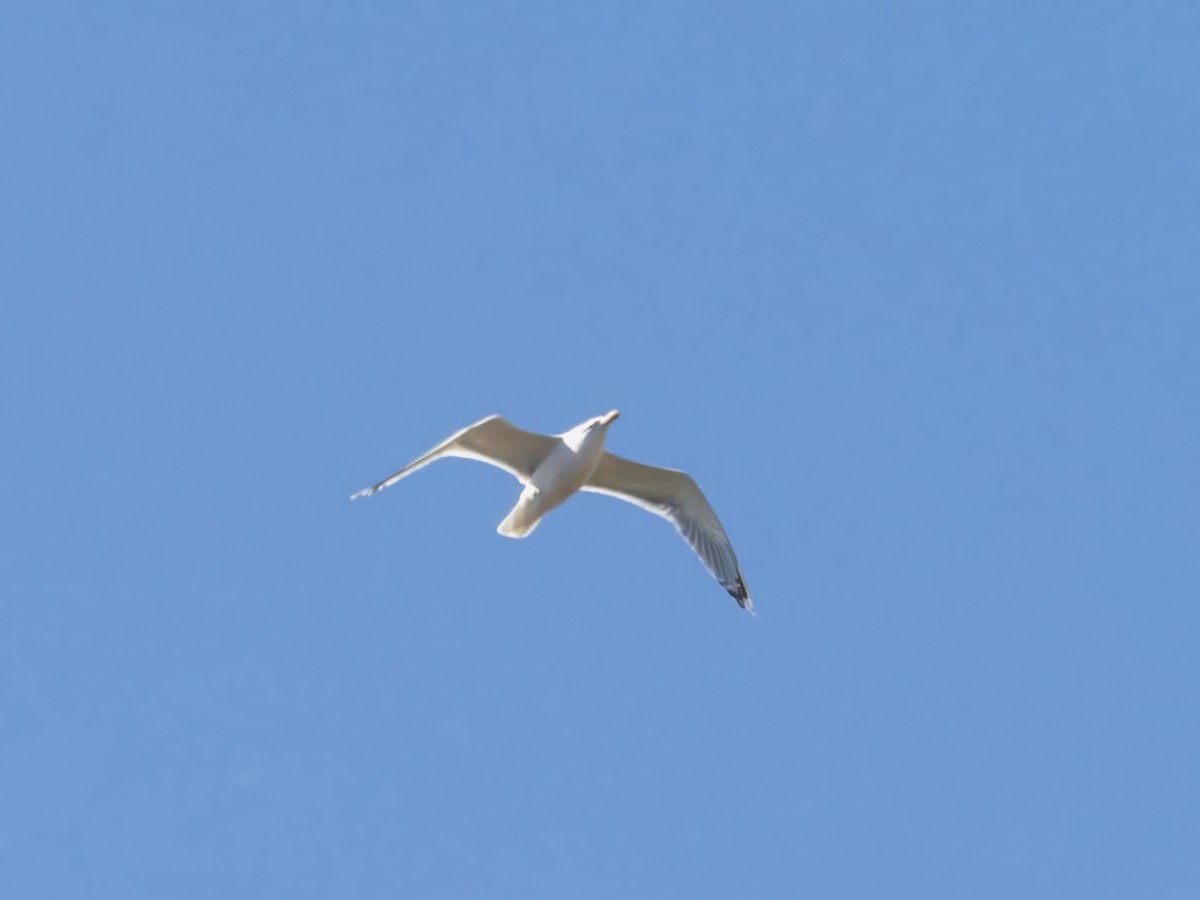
[(524, 517)]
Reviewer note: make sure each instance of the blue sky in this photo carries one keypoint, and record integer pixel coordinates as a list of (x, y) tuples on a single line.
[(911, 291)]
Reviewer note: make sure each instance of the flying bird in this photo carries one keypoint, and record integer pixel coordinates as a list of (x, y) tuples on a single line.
[(553, 467)]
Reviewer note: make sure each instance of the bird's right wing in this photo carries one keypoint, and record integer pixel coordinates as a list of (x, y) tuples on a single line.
[(675, 496), (493, 440)]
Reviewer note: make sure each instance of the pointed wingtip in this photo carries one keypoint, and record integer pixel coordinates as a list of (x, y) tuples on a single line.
[(365, 492), (739, 593)]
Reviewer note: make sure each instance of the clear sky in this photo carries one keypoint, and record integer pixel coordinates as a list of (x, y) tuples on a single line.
[(911, 290)]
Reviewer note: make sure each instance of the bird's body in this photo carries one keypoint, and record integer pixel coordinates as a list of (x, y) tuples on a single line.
[(563, 472), (553, 468)]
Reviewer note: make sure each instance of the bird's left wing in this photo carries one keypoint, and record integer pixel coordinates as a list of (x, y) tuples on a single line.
[(493, 440), (674, 495)]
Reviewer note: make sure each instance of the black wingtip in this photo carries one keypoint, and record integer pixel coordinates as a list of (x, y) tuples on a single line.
[(739, 593)]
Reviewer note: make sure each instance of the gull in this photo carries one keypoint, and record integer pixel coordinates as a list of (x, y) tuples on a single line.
[(553, 467)]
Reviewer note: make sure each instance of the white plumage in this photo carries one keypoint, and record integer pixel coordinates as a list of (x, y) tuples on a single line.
[(553, 467)]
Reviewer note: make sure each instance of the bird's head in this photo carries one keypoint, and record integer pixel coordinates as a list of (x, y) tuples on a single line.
[(605, 420), (590, 432)]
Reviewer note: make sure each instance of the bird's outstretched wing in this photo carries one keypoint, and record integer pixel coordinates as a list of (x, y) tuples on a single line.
[(674, 495), (493, 440)]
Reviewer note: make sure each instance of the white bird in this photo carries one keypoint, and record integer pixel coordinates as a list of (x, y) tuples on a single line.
[(553, 467)]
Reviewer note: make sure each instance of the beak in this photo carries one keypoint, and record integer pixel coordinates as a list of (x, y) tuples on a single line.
[(609, 417)]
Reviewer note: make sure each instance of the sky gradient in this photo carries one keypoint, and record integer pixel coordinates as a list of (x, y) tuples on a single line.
[(911, 292)]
